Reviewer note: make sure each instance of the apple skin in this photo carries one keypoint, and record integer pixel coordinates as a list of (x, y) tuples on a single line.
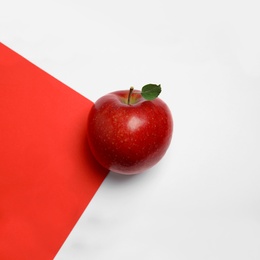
[(129, 138)]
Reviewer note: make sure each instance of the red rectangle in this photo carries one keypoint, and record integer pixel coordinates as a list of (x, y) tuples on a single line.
[(47, 174)]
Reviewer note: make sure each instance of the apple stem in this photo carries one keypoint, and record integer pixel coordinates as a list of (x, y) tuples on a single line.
[(129, 95)]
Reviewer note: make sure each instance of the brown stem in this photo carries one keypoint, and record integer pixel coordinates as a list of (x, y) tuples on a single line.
[(129, 95)]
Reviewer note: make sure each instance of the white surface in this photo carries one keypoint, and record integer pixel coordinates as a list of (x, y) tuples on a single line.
[(202, 201)]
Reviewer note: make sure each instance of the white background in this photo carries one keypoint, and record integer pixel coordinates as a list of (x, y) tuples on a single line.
[(202, 201)]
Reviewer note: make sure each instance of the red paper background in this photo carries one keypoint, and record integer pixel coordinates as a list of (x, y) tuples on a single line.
[(47, 174)]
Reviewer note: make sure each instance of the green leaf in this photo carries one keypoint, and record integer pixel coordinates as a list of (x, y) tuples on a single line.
[(151, 91)]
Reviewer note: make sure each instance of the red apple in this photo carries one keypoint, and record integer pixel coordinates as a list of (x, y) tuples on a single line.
[(128, 134)]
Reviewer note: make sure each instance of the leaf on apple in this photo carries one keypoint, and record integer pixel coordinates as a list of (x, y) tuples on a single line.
[(151, 91)]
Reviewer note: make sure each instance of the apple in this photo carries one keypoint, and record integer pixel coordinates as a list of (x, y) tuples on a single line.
[(129, 131)]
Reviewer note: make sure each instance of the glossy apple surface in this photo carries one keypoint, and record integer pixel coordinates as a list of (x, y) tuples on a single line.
[(129, 138)]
